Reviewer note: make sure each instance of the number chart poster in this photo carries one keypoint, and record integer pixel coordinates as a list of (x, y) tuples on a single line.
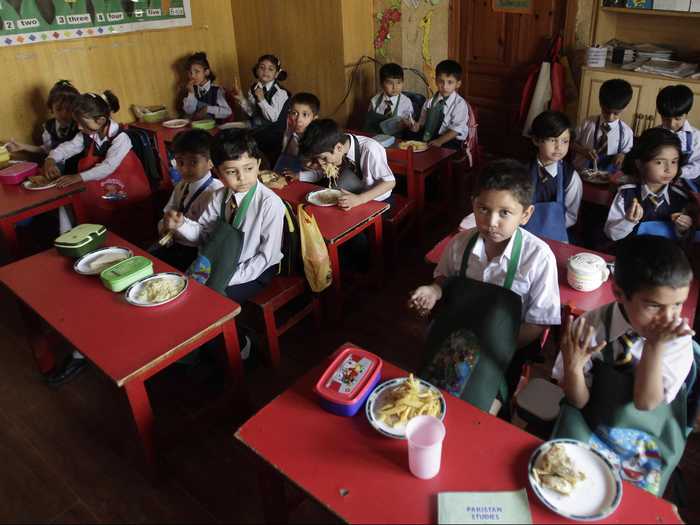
[(32, 21)]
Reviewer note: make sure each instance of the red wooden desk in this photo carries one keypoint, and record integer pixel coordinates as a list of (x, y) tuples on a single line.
[(580, 302), (338, 226), (129, 344), (17, 204), (363, 477)]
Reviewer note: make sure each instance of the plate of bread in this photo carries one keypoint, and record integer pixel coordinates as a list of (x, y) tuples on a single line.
[(95, 262), (38, 182)]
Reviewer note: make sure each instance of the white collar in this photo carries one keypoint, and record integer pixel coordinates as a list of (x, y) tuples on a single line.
[(663, 193), (204, 88), (686, 127), (552, 169), (602, 121), (393, 99), (111, 132), (239, 195), (449, 99), (267, 85), (480, 250), (194, 186), (351, 151), (618, 324)]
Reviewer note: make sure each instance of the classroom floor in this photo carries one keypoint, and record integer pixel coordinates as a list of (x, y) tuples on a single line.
[(69, 455)]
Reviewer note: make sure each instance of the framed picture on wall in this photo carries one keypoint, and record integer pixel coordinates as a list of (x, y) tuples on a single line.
[(514, 6)]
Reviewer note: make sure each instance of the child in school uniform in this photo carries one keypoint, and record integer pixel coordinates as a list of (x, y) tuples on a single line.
[(363, 169), (673, 104), (114, 176), (303, 109), (605, 139), (389, 106), (626, 367), (496, 279), (204, 99), (653, 202), (443, 119), (191, 195)]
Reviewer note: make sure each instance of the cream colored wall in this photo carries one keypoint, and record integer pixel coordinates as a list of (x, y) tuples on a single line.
[(140, 67)]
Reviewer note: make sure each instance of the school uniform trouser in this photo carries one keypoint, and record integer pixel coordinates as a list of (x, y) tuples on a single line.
[(245, 291)]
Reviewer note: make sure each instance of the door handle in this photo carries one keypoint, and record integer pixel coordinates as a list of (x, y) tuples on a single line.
[(650, 122)]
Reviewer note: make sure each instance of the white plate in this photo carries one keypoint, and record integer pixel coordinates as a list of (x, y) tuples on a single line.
[(29, 185), (315, 197), (235, 125), (176, 123), (133, 291), (377, 397), (82, 265), (594, 498)]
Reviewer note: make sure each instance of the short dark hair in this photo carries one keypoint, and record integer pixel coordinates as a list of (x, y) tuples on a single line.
[(674, 101), (615, 94), (390, 70), (507, 175), (321, 136), (194, 141), (200, 58), (233, 147), (550, 124), (307, 99), (94, 105), (62, 95), (647, 146), (450, 68), (648, 261)]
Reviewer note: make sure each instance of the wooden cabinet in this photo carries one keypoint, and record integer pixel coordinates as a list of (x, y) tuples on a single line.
[(641, 112)]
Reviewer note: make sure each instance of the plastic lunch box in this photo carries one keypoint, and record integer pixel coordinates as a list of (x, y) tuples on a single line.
[(348, 381), (122, 275), (16, 172), (80, 240)]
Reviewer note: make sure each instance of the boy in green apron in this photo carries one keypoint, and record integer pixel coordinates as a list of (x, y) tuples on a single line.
[(627, 368), (389, 111), (498, 288)]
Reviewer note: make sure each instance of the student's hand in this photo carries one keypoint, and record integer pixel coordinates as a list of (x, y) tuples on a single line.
[(589, 153), (190, 86), (291, 175), (576, 344), (13, 146), (68, 180), (635, 211), (619, 160), (423, 298), (348, 200), (661, 330), (435, 143), (259, 94), (682, 221), (172, 220), (50, 169), (201, 114)]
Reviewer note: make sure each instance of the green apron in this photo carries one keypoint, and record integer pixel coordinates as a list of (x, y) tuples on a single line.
[(218, 258), (374, 119), (645, 445), (474, 335), (434, 118)]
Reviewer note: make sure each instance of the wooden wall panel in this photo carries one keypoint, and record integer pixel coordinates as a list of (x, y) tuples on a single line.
[(140, 67)]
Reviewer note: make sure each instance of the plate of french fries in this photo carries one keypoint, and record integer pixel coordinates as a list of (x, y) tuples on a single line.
[(395, 402)]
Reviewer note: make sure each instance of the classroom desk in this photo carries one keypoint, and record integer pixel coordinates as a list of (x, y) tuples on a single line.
[(580, 302), (363, 477), (338, 226), (18, 204), (129, 344)]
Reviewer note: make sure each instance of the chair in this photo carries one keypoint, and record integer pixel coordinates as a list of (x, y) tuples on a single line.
[(282, 290), (417, 100), (401, 216)]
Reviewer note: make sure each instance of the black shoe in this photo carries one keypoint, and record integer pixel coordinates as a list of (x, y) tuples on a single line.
[(70, 368)]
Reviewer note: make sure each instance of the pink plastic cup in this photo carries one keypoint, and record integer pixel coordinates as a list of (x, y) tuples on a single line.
[(425, 435)]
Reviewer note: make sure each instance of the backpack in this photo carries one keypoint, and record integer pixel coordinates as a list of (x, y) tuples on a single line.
[(145, 149), (291, 263)]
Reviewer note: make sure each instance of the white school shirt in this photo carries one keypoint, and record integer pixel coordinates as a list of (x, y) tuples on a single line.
[(375, 167), (305, 175), (676, 361), (220, 111), (121, 144), (405, 109), (585, 137), (262, 226), (455, 117), (270, 112), (536, 280), (197, 207), (616, 225), (691, 170)]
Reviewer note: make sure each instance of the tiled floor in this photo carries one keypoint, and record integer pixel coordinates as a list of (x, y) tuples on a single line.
[(69, 455)]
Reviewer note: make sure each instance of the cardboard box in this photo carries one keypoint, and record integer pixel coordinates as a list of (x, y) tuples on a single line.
[(672, 5)]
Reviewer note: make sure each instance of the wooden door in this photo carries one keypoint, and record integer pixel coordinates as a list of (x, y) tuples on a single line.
[(496, 51), (590, 87)]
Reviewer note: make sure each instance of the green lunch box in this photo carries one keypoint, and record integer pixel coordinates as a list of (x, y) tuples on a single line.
[(122, 275), (80, 240)]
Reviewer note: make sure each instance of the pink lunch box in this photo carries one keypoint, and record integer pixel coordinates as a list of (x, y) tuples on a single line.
[(16, 172)]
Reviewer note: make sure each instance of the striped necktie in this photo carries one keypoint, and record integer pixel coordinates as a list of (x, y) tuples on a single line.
[(603, 142), (387, 107), (655, 200), (627, 342), (544, 175), (184, 197)]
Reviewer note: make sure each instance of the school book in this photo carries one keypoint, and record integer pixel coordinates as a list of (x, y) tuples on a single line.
[(483, 507)]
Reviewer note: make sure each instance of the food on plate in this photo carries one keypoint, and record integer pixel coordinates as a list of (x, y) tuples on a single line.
[(408, 400), (557, 471), (39, 180), (104, 261), (415, 144), (272, 179), (327, 197), (331, 171), (596, 176), (159, 290)]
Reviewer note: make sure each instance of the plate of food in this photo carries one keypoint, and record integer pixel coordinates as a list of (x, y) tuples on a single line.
[(393, 403), (156, 290), (241, 124), (417, 145), (327, 197), (176, 123), (596, 176), (575, 480), (94, 262), (38, 182), (271, 179)]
